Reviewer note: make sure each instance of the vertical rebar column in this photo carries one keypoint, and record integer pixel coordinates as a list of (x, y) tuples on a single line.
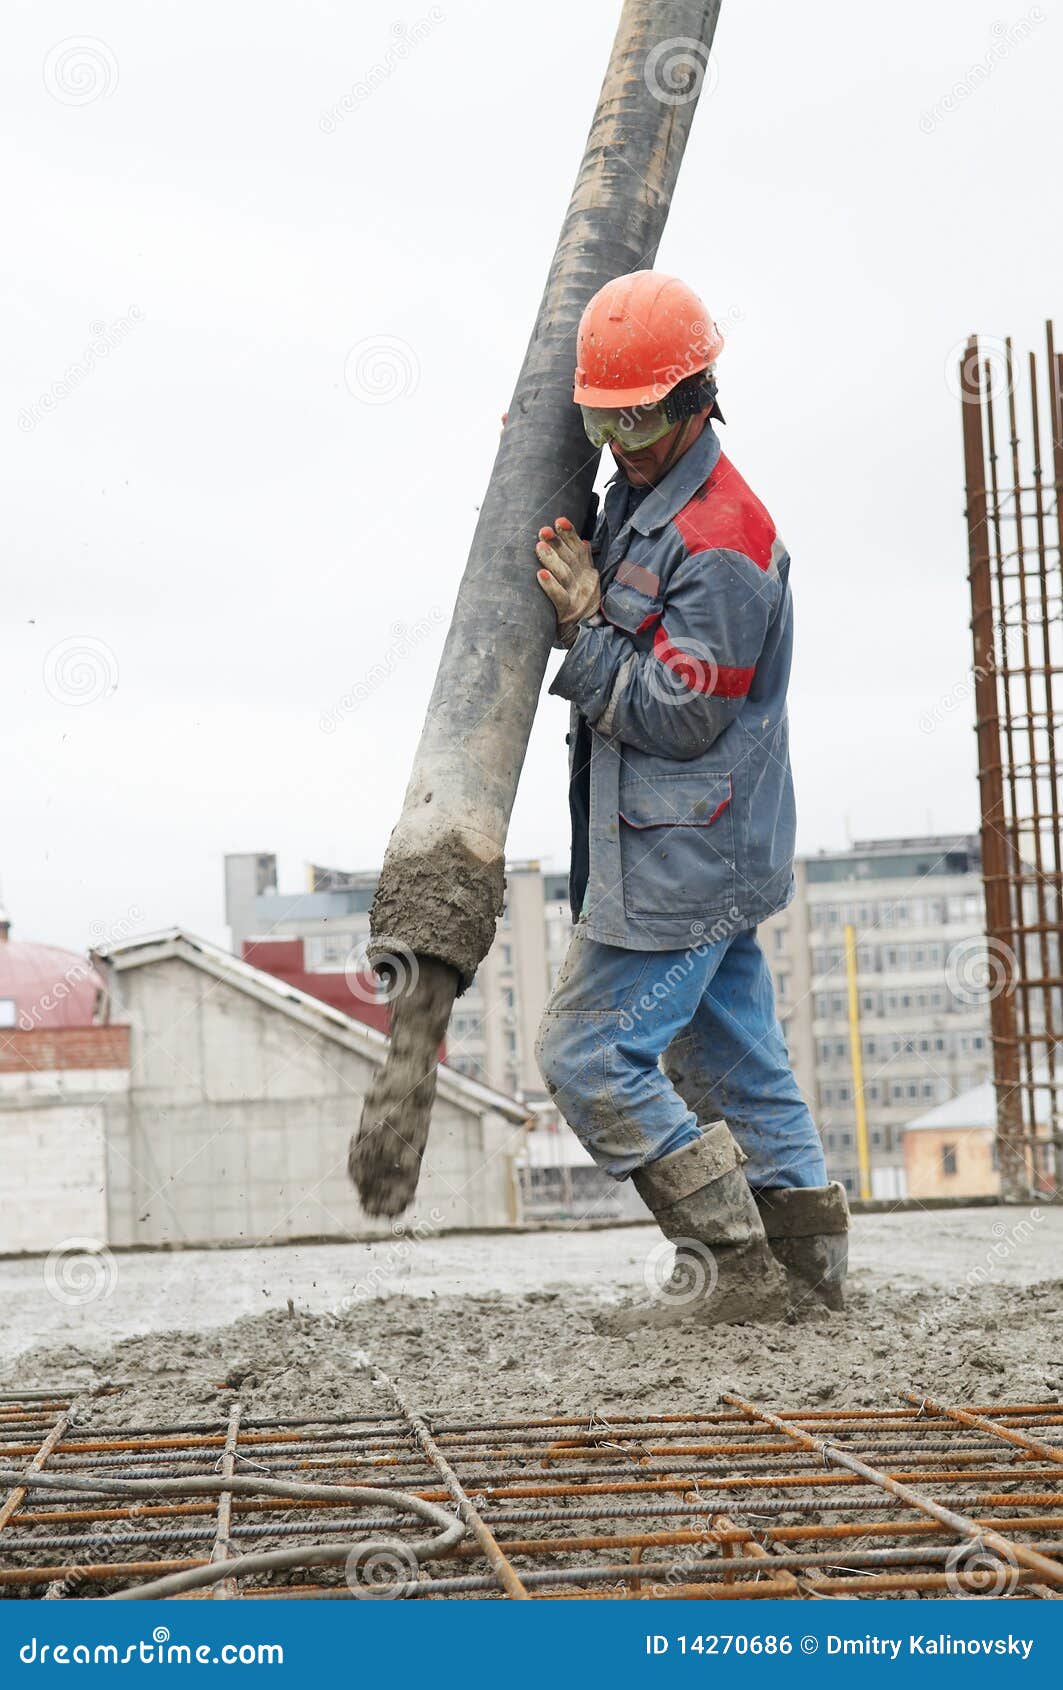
[(996, 878), (1017, 630)]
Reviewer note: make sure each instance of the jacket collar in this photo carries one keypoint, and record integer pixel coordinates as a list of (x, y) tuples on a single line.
[(684, 478)]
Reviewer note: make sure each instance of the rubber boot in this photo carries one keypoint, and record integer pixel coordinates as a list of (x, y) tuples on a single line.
[(724, 1269), (808, 1230)]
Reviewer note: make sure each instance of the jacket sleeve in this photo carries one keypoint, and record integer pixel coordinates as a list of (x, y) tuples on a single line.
[(676, 698)]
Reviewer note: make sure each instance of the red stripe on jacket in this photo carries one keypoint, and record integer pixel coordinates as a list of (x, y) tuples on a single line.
[(727, 514), (701, 674)]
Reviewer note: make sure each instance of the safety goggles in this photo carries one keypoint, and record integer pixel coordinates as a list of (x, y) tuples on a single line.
[(632, 429)]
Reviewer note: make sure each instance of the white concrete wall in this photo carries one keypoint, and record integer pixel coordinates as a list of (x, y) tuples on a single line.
[(52, 1154), (240, 1119)]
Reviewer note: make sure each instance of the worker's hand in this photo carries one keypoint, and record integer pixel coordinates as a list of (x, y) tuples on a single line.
[(568, 578)]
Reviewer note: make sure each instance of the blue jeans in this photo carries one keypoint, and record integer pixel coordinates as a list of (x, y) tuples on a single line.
[(710, 1012)]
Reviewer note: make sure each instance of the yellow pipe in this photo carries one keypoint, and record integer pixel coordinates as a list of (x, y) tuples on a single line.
[(857, 1058)]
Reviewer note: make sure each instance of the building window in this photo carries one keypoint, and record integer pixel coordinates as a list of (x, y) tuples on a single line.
[(948, 1159), (7, 1012)]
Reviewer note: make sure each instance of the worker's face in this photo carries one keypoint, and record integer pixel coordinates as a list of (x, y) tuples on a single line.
[(645, 467)]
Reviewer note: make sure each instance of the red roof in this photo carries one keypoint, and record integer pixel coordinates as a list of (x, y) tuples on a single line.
[(50, 987)]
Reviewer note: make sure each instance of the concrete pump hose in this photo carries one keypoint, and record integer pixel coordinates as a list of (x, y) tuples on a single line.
[(407, 1553), (441, 886)]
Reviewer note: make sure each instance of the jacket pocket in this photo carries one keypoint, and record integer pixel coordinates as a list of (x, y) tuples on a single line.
[(677, 842), (633, 609)]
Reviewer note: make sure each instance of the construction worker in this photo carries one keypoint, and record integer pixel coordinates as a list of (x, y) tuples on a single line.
[(677, 625)]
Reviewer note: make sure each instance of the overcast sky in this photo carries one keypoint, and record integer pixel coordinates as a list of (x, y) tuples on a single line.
[(297, 268)]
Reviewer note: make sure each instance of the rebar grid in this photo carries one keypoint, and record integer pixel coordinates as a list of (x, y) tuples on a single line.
[(1013, 457), (920, 1498)]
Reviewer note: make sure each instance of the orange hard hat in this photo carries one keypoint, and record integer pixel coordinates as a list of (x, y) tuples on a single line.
[(639, 337)]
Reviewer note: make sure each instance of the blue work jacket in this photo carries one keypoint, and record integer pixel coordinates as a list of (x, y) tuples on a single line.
[(682, 678)]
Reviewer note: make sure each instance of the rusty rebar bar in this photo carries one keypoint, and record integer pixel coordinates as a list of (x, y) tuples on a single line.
[(961, 1524), (629, 1508), (499, 1563)]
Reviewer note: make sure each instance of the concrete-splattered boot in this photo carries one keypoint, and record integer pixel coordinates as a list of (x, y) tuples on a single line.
[(808, 1230), (724, 1269)]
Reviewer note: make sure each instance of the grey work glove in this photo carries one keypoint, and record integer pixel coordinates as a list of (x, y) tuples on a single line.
[(568, 577)]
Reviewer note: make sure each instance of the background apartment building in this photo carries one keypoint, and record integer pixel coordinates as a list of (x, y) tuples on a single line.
[(916, 905), (493, 1027)]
